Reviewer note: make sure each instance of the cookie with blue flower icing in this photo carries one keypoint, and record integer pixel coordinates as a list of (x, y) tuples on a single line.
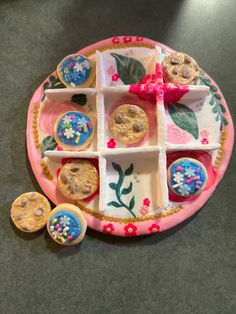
[(66, 224), (76, 71), (187, 177), (74, 130)]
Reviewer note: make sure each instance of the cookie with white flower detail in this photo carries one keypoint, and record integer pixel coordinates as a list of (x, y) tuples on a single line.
[(76, 71), (187, 177), (180, 68), (66, 224), (30, 211), (78, 179), (129, 123), (74, 130)]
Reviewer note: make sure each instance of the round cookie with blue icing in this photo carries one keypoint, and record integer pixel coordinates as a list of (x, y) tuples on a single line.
[(74, 130), (66, 224), (76, 71), (187, 177)]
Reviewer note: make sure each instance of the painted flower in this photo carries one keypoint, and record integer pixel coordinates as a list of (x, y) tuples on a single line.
[(69, 133), (109, 229), (56, 234), (143, 210), (78, 67), (111, 70), (111, 143), (64, 221), (115, 77), (127, 39), (154, 228), (139, 38), (146, 201), (59, 148), (66, 120), (204, 133), (115, 40), (204, 141), (178, 177), (189, 172), (184, 189), (130, 230), (176, 136)]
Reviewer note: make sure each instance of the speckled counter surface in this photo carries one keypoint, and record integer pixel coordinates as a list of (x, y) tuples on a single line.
[(189, 269)]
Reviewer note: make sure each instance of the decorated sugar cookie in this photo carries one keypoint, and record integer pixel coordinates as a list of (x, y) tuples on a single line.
[(129, 123), (76, 71), (180, 68), (66, 224), (187, 177), (78, 179), (74, 130), (30, 211)]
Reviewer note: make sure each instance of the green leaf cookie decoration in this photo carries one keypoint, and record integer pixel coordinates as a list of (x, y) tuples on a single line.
[(80, 99), (130, 70), (48, 143), (124, 191), (53, 83), (184, 118)]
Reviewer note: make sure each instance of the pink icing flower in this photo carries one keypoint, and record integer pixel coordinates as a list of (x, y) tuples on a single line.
[(146, 201), (115, 77), (139, 38), (204, 141), (204, 133), (111, 143), (111, 70), (115, 40), (72, 116), (154, 228), (109, 229), (143, 210), (90, 125), (176, 136), (59, 148), (130, 230), (127, 39)]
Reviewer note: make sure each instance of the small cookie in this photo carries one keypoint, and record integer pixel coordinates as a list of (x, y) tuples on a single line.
[(66, 224), (129, 123), (30, 211), (78, 179), (187, 177), (180, 68), (76, 71), (74, 130)]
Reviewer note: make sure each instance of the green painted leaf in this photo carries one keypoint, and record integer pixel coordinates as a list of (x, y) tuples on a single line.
[(225, 121), (128, 189), (115, 204), (218, 96), (129, 170), (113, 186), (212, 101), (215, 109), (131, 203), (80, 99), (184, 118), (214, 88), (48, 143), (46, 85), (130, 70), (117, 167), (222, 108)]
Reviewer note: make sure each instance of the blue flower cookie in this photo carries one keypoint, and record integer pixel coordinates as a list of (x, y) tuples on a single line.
[(187, 177), (74, 130), (66, 224), (76, 71)]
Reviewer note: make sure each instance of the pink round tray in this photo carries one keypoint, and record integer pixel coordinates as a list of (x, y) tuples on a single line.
[(141, 225)]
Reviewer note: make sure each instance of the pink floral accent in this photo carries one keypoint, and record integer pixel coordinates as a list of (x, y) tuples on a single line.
[(176, 136), (72, 116), (130, 230), (109, 229), (127, 39), (204, 133), (111, 143), (143, 210), (111, 70), (139, 38), (146, 201), (59, 148), (204, 141), (115, 40), (154, 228), (115, 77)]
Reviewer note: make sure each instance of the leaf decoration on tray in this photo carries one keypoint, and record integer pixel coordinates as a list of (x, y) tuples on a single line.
[(217, 107), (80, 99), (117, 187), (52, 83), (184, 118), (130, 70), (48, 143)]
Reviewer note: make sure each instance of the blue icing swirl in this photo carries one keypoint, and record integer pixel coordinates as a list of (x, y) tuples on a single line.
[(187, 177), (74, 128), (65, 226), (75, 70)]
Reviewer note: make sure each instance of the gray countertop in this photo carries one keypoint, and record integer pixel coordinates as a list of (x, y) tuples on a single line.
[(189, 269)]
